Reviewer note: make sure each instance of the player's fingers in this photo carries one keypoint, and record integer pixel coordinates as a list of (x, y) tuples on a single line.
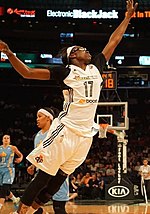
[(135, 6)]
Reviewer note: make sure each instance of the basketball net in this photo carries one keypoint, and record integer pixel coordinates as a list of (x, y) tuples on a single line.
[(103, 129)]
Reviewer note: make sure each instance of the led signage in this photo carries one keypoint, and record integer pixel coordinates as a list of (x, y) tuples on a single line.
[(110, 80), (21, 13), (80, 14), (141, 14)]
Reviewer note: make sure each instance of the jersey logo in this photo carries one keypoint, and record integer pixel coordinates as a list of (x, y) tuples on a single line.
[(82, 101), (3, 154), (77, 77), (39, 159)]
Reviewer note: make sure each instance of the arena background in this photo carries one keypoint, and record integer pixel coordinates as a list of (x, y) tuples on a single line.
[(30, 34)]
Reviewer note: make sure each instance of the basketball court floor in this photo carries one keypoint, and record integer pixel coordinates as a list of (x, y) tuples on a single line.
[(95, 207)]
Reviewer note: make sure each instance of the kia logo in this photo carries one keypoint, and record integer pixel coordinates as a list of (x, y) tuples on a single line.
[(118, 191)]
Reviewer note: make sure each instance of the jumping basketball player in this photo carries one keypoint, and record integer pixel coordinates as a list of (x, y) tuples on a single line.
[(71, 134)]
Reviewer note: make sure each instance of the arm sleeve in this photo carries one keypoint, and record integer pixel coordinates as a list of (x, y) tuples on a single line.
[(99, 61), (59, 73)]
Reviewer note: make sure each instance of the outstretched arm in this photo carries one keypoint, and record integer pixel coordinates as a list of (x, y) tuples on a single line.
[(21, 68), (18, 153), (117, 35)]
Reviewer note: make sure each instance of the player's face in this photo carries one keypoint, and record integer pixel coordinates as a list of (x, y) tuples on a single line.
[(145, 162), (6, 140), (42, 120), (81, 53)]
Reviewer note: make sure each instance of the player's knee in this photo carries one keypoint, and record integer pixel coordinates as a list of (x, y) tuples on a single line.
[(53, 186), (56, 182), (43, 199)]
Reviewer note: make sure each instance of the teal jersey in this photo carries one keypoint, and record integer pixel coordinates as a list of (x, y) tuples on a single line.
[(7, 170), (39, 137), (7, 157)]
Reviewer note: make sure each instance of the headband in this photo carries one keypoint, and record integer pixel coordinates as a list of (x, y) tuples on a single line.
[(47, 113), (69, 49)]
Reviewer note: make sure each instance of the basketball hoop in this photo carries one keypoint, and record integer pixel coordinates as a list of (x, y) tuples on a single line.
[(103, 128)]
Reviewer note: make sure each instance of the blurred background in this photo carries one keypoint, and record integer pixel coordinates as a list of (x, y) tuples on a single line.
[(36, 30)]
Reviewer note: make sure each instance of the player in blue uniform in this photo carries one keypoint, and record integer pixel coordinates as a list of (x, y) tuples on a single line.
[(7, 169), (44, 119), (71, 134)]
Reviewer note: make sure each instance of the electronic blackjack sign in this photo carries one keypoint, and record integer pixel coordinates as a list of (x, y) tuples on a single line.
[(109, 80)]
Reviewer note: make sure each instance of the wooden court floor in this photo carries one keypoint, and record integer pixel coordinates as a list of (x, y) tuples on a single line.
[(74, 208)]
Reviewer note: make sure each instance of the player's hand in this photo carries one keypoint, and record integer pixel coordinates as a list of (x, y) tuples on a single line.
[(131, 8), (4, 47), (18, 160), (31, 169)]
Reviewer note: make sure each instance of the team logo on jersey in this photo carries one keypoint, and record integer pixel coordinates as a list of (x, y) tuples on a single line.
[(3, 154), (85, 78), (91, 101), (77, 77), (82, 101), (39, 159)]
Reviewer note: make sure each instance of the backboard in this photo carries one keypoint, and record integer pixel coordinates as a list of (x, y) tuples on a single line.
[(113, 113)]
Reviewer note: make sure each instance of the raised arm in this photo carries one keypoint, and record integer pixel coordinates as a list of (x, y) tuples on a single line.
[(117, 35), (23, 69)]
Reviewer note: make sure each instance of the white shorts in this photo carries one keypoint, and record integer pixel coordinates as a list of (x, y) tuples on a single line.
[(61, 149)]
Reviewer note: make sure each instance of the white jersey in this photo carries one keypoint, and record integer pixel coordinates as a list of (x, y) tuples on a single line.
[(80, 102), (70, 135), (145, 171)]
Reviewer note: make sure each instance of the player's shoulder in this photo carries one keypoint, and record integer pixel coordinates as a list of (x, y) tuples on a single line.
[(13, 147), (39, 133)]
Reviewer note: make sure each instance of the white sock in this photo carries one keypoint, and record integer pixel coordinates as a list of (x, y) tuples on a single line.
[(13, 198), (31, 210), (1, 206)]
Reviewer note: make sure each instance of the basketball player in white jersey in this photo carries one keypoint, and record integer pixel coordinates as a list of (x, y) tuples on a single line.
[(70, 136)]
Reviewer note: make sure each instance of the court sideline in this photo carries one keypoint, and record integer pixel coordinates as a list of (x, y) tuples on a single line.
[(94, 207)]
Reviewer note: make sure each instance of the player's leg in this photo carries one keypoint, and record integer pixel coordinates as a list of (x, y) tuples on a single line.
[(53, 186), (6, 179), (59, 207), (33, 189), (2, 196), (4, 189)]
